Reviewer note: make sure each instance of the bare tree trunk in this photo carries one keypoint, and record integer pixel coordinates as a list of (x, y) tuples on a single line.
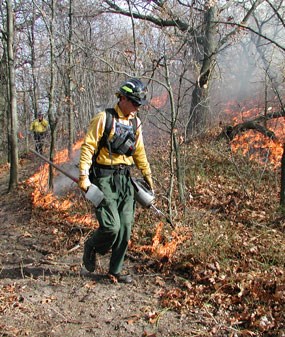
[(70, 83), (172, 150), (33, 66), (13, 100), (179, 170), (175, 159), (27, 119), (51, 108), (282, 189), (3, 102), (199, 109)]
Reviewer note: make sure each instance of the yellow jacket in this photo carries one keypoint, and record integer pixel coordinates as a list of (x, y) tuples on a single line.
[(91, 141), (39, 126)]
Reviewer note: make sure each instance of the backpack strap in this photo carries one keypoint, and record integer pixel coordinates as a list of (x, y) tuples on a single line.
[(110, 115), (134, 122)]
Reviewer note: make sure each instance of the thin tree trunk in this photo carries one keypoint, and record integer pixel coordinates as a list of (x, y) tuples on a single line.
[(70, 83), (13, 100), (179, 170), (51, 108), (282, 189), (33, 66), (3, 101), (175, 159)]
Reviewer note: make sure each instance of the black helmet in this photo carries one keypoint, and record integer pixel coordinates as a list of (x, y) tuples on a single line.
[(134, 90)]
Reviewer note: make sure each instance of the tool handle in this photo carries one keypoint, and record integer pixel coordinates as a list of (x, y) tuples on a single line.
[(93, 194), (55, 166)]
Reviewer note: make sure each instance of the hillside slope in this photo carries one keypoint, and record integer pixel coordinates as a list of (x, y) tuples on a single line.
[(219, 273)]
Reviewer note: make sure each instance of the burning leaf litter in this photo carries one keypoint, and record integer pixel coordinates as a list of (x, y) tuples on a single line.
[(223, 263)]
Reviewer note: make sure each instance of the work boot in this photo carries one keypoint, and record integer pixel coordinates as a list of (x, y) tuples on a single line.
[(89, 257), (121, 278)]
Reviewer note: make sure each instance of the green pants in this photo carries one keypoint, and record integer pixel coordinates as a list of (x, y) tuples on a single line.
[(116, 216)]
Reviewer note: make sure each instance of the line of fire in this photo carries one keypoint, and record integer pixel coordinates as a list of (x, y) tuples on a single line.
[(44, 199), (254, 145)]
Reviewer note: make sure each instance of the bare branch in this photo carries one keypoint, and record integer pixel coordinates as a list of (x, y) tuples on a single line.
[(242, 24), (158, 21), (253, 31), (275, 10)]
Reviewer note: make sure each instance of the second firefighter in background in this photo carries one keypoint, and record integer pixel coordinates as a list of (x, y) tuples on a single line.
[(39, 128)]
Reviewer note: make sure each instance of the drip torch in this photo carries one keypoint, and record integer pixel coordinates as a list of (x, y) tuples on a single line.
[(145, 197)]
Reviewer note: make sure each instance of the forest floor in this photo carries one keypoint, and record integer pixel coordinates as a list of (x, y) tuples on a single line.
[(225, 279), (45, 292)]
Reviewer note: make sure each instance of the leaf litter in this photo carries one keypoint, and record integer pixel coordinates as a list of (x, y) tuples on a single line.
[(219, 273)]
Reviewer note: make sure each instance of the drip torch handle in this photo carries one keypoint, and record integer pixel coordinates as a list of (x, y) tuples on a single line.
[(93, 194), (55, 166)]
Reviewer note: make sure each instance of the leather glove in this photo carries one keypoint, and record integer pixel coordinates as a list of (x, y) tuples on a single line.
[(84, 183), (149, 181)]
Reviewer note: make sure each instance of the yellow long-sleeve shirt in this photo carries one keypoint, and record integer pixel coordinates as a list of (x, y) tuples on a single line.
[(95, 133), (39, 126)]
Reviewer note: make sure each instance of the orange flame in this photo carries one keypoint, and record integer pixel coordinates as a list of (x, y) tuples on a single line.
[(159, 101), (258, 148), (41, 198), (161, 249), (47, 200), (255, 145)]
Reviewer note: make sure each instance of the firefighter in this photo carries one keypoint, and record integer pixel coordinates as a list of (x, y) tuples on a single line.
[(111, 173), (39, 128)]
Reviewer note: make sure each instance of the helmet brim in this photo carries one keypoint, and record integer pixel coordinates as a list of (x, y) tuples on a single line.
[(143, 102), (140, 101)]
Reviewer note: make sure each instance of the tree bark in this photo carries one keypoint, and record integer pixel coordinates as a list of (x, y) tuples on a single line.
[(199, 110), (33, 66), (282, 189), (13, 182), (3, 100), (51, 108), (70, 83)]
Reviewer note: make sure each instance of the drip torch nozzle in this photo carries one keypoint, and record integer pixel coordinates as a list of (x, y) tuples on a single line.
[(158, 211), (145, 197)]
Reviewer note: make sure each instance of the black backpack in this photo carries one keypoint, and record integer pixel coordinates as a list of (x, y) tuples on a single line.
[(110, 115)]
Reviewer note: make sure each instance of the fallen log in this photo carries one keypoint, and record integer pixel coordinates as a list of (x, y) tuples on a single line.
[(259, 124)]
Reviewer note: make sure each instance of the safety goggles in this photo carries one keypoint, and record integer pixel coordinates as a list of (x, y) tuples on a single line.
[(136, 104)]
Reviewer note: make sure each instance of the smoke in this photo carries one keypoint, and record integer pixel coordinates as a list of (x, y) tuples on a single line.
[(63, 184), (248, 74)]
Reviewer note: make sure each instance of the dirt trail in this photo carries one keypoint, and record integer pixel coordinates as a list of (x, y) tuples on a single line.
[(44, 293)]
